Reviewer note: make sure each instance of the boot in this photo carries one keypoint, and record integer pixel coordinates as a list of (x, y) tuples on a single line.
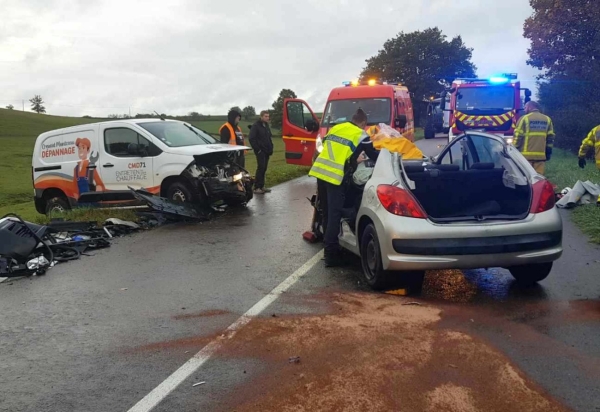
[(334, 259)]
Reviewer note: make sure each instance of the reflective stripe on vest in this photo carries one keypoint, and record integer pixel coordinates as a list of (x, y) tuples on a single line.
[(536, 127), (339, 144)]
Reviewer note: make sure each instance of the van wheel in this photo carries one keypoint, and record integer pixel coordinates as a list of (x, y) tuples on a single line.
[(530, 274), (370, 258), (180, 192), (57, 205)]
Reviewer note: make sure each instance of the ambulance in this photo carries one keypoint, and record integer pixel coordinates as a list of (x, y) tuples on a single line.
[(386, 103), (94, 165)]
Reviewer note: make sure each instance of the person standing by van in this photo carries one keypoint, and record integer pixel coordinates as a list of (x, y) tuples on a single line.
[(231, 133), (261, 140)]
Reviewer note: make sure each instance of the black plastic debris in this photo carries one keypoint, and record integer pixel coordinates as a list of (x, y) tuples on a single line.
[(27, 248), (163, 209)]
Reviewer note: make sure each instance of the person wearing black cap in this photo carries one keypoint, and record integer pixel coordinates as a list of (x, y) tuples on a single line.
[(231, 133)]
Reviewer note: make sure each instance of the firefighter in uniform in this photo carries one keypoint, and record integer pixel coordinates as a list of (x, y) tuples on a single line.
[(591, 142), (231, 133), (341, 148), (534, 137)]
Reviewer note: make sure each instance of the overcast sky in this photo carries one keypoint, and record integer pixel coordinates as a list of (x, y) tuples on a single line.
[(99, 57)]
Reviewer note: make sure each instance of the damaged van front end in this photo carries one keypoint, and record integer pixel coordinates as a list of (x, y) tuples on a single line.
[(217, 179)]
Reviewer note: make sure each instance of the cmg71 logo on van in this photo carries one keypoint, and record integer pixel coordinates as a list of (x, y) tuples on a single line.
[(137, 165)]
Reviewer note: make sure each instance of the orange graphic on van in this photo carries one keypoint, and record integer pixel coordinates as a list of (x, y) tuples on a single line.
[(85, 177)]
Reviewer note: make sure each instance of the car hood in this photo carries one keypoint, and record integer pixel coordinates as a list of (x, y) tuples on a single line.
[(202, 149)]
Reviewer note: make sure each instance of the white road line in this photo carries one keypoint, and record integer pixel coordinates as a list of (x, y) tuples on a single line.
[(161, 391), (2, 279)]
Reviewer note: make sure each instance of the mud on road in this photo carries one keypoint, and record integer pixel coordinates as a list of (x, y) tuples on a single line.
[(375, 352)]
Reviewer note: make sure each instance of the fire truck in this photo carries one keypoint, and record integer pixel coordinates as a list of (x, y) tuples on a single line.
[(493, 105), (383, 102)]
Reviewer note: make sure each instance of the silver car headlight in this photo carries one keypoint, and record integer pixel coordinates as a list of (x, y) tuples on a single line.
[(319, 144)]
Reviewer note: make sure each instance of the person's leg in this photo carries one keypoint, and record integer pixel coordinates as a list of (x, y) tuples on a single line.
[(539, 166), (335, 203), (242, 160), (265, 173), (260, 171)]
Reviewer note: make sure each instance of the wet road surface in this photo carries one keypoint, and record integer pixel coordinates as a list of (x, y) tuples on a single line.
[(102, 332)]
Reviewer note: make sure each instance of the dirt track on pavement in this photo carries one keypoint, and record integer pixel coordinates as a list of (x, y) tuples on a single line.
[(376, 353)]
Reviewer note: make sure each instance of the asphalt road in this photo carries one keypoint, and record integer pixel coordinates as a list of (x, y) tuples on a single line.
[(101, 333)]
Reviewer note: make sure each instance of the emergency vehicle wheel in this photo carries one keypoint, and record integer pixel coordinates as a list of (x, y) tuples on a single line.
[(56, 205), (179, 192), (370, 258)]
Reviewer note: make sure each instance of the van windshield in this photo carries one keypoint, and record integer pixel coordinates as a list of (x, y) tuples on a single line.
[(175, 134), (339, 111)]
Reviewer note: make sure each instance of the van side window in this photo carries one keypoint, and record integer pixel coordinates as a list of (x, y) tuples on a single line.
[(298, 114), (117, 141)]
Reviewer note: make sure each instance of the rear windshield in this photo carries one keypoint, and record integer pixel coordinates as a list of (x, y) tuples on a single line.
[(379, 110), (175, 134), (495, 98)]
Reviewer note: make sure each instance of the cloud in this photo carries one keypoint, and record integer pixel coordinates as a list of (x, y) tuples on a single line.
[(108, 56)]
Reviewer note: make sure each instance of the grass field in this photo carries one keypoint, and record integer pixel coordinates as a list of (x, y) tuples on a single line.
[(563, 171)]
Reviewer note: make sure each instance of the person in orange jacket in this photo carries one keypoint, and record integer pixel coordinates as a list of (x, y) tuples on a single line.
[(231, 133)]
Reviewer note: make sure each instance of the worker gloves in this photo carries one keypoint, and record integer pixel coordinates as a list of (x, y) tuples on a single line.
[(582, 162)]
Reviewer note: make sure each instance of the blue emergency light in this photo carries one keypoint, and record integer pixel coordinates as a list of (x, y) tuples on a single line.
[(498, 80)]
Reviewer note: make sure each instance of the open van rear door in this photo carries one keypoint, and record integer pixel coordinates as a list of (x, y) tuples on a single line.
[(300, 128)]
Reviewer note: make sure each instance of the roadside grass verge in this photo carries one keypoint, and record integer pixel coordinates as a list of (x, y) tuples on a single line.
[(563, 171)]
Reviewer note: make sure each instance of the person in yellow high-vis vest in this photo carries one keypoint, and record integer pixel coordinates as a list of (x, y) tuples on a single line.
[(231, 133), (341, 148), (534, 137), (591, 142)]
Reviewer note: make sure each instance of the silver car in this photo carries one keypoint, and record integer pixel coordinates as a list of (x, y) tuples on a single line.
[(478, 204)]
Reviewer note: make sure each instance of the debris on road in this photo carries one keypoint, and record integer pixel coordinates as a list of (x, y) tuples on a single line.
[(199, 383), (29, 249), (294, 359), (399, 292), (163, 209), (412, 304)]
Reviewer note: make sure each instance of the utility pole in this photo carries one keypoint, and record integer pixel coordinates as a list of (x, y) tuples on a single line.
[(23, 105)]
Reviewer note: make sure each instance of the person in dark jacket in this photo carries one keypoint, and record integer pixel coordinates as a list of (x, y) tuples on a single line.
[(231, 133), (261, 140)]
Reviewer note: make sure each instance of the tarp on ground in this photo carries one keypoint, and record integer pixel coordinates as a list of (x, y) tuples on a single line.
[(582, 193)]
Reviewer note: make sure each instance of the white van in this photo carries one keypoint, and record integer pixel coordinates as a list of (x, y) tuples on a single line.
[(94, 164)]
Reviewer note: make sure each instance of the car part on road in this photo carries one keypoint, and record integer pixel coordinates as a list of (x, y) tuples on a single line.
[(27, 249), (168, 209)]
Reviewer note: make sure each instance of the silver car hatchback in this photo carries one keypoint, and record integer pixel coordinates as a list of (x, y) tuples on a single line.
[(478, 204)]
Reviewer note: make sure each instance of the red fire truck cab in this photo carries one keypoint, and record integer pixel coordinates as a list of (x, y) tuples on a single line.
[(384, 103), (493, 105)]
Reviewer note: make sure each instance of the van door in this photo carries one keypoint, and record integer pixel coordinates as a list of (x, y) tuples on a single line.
[(127, 159), (300, 128)]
